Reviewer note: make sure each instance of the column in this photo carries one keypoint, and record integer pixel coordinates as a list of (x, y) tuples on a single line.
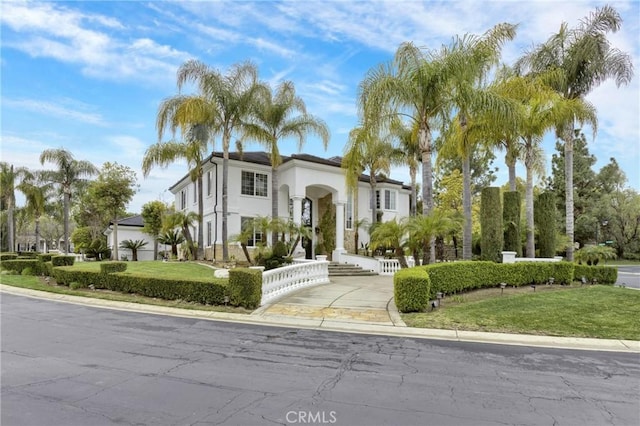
[(298, 251), (339, 232)]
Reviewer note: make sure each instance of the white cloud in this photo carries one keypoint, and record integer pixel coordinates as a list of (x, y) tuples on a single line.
[(55, 110)]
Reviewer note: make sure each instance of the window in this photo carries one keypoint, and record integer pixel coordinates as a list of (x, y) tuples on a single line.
[(377, 200), (195, 192), (183, 199), (254, 184), (209, 233), (348, 214), (389, 199), (255, 235), (208, 184)]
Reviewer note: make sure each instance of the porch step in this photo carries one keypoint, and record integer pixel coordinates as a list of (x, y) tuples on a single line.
[(347, 270)]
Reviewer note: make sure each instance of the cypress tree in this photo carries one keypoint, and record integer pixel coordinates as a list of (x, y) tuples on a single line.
[(511, 221), (491, 224), (545, 215)]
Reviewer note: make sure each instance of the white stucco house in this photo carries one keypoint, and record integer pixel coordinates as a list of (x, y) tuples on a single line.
[(130, 228), (308, 186)]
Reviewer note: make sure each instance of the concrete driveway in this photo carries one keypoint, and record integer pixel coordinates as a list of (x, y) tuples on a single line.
[(366, 299)]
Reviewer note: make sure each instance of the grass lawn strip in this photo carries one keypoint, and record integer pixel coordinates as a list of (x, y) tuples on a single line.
[(595, 311), (168, 270)]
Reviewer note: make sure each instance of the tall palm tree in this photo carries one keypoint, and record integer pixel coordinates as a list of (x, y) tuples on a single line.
[(36, 195), (585, 59), (223, 104), (367, 151), (409, 150), (280, 116), (415, 87), (471, 58), (9, 177), (68, 173), (193, 150)]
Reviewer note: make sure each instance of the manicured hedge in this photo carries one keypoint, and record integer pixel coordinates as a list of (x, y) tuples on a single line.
[(62, 260), (8, 256), (18, 265), (602, 274), (45, 257), (457, 277), (111, 267), (27, 254), (204, 292), (411, 289), (245, 287)]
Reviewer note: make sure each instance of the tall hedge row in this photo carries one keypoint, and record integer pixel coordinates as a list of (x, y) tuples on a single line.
[(491, 229), (545, 219), (511, 222)]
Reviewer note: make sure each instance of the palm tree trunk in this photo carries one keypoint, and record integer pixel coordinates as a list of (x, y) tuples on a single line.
[(67, 202), (414, 194), (374, 200), (200, 252), (10, 224), (424, 139), (37, 231), (274, 202), (225, 197), (155, 248), (568, 170), (401, 258), (511, 165), (531, 249), (466, 205)]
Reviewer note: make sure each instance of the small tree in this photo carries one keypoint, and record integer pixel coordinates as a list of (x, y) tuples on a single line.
[(172, 238), (152, 213), (134, 246), (491, 224), (391, 234)]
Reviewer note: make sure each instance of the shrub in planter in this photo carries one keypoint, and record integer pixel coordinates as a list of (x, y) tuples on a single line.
[(411, 289), (62, 260), (245, 287)]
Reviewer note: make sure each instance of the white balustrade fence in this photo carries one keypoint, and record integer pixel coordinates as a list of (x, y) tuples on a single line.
[(378, 265), (280, 281)]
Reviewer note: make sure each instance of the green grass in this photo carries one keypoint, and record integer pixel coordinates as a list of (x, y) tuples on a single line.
[(594, 311), (37, 283), (169, 270)]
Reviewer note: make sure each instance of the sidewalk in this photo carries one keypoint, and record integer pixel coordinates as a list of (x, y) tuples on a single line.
[(342, 306)]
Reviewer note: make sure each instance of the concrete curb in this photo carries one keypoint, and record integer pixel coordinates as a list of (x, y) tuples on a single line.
[(398, 330)]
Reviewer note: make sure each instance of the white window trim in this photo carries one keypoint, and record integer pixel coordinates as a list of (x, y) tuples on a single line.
[(255, 186)]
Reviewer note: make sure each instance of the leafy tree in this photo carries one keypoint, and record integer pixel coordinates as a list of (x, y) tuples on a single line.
[(9, 177), (36, 195), (583, 58), (223, 104), (624, 223), (511, 221), (68, 174), (277, 116), (82, 238), (52, 230), (114, 187), (152, 214), (134, 246), (492, 238)]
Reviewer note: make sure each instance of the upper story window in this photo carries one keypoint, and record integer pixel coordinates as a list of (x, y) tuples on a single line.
[(183, 199), (209, 183), (254, 184), (388, 196), (195, 192)]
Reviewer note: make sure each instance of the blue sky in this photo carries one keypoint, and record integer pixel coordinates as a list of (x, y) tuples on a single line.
[(88, 76)]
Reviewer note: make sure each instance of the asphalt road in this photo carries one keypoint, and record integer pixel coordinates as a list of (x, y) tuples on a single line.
[(65, 364), (629, 276)]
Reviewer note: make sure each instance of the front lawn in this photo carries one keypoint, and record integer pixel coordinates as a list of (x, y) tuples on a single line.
[(594, 311), (168, 270)]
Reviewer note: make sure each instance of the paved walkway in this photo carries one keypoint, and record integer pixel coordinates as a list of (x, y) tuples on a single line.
[(346, 299)]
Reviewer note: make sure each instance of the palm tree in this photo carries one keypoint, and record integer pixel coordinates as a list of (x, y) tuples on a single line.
[(409, 150), (367, 151), (280, 117), (585, 59), (185, 222), (173, 238), (192, 150), (476, 107), (68, 173), (36, 195), (415, 87), (223, 104), (134, 246), (391, 234), (424, 228), (9, 177)]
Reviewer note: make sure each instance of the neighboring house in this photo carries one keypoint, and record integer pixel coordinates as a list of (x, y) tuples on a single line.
[(308, 186), (130, 228)]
